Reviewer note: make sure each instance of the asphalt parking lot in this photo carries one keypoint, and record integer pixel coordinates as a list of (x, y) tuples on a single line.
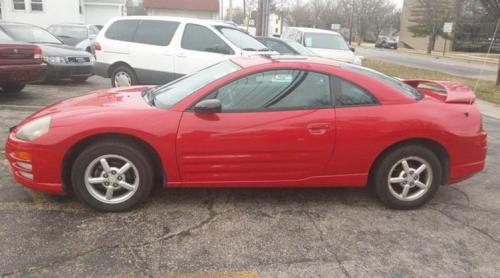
[(246, 233)]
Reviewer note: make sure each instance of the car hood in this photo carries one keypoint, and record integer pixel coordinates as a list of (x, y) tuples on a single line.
[(62, 50), (119, 100), (340, 55)]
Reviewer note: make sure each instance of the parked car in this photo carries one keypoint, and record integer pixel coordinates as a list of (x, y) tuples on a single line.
[(324, 43), (77, 35), (255, 122), (287, 47), (156, 50), (20, 63), (63, 61), (386, 42)]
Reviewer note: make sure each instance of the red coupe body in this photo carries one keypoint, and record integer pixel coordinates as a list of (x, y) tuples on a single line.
[(334, 146)]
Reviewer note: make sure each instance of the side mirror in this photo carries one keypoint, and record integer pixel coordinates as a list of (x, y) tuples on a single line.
[(208, 106), (352, 49)]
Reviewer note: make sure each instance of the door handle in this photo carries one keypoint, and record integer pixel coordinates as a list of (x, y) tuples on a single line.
[(318, 129), (181, 55)]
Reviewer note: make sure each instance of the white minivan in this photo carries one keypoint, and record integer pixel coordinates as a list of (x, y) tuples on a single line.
[(324, 43), (156, 50)]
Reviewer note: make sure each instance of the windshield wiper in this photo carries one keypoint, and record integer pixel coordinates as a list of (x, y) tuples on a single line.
[(264, 49), (249, 49)]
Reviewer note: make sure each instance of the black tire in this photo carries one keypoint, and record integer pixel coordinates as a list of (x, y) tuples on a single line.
[(13, 87), (124, 70), (129, 150), (385, 164), (79, 79)]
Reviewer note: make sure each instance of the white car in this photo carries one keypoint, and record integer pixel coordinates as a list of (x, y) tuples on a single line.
[(324, 43), (78, 35), (156, 50)]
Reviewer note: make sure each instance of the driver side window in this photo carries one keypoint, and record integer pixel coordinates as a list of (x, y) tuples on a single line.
[(276, 90), (200, 38)]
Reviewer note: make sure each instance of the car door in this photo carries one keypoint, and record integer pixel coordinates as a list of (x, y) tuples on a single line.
[(199, 48), (151, 55), (274, 126)]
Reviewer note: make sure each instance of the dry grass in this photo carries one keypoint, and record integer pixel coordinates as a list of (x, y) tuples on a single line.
[(486, 90)]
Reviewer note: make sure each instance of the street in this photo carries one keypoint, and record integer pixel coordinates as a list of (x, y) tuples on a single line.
[(249, 232), (441, 64)]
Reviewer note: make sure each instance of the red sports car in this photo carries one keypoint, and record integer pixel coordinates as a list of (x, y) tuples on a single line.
[(255, 122)]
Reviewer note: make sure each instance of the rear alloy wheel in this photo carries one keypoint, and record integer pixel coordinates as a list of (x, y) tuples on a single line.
[(407, 177), (13, 87), (112, 176), (123, 76)]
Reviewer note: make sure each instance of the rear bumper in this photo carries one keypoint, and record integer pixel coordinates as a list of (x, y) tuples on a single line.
[(22, 73), (42, 172), (69, 71), (475, 151)]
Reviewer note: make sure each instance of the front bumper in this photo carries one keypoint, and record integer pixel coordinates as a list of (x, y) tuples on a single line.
[(22, 73), (69, 71), (41, 171)]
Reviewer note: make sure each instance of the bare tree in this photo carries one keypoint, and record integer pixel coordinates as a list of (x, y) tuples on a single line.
[(428, 17)]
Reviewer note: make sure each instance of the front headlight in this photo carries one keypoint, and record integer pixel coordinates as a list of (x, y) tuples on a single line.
[(34, 129), (55, 60)]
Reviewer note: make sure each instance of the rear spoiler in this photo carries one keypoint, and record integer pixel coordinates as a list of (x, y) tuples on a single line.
[(447, 91)]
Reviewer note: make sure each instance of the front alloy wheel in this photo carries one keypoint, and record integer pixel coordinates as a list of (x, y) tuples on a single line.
[(112, 175), (111, 179)]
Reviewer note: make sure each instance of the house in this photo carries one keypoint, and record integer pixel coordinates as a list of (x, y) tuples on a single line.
[(46, 12), (204, 9)]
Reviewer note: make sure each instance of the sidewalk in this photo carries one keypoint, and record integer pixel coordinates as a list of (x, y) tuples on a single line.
[(489, 109), (493, 58)]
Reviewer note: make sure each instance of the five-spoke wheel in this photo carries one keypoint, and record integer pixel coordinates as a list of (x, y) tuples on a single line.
[(407, 177), (113, 175)]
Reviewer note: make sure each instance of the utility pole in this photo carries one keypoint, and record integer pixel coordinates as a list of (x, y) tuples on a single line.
[(258, 23), (230, 11), (265, 18), (245, 18)]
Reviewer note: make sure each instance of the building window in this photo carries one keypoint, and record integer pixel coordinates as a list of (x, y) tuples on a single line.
[(19, 5), (37, 5)]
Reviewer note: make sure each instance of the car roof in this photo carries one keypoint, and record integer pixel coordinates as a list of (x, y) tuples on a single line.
[(179, 19), (255, 60), (314, 30), (71, 24)]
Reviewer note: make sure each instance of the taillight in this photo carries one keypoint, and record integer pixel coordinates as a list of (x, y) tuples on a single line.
[(97, 46), (38, 54)]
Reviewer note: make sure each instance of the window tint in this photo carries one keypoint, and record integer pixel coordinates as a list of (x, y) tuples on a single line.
[(155, 32), (401, 86), (349, 94), (241, 39), (167, 95), (122, 30), (277, 89), (200, 38), (29, 33)]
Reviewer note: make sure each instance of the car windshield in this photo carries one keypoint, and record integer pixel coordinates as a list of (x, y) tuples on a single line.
[(300, 48), (401, 86), (241, 39), (4, 37), (167, 95), (32, 34), (73, 32), (325, 41)]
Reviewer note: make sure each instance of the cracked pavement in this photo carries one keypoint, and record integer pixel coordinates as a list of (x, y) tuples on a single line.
[(246, 232)]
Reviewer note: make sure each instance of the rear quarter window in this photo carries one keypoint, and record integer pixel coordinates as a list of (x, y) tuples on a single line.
[(122, 30)]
